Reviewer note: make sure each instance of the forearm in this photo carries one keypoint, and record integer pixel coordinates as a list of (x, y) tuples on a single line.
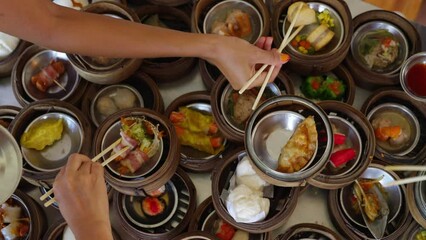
[(93, 231)]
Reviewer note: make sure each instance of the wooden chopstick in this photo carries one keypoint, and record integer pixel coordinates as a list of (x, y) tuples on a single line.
[(271, 69), (405, 181), (110, 159), (59, 85), (405, 168), (283, 44)]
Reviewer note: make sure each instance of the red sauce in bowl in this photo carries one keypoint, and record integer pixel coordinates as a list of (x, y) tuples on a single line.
[(416, 79)]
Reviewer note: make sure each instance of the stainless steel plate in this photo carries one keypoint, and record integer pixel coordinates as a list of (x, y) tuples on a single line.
[(10, 165), (394, 196), (55, 156), (69, 79)]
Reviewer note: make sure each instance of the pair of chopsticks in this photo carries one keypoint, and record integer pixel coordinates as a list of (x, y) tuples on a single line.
[(287, 38), (96, 158), (406, 180)]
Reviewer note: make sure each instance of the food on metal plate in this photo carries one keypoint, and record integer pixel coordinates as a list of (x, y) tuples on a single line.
[(197, 130), (342, 149), (122, 98), (306, 16), (14, 224), (224, 231), (153, 206), (391, 130), (158, 192), (323, 88), (237, 24), (379, 49), (42, 134), (48, 75), (320, 37), (301, 147), (143, 139), (8, 44), (421, 235)]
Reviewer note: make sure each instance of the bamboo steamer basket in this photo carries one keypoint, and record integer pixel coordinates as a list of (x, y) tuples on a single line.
[(167, 69), (205, 211), (320, 63), (117, 72), (417, 209), (196, 235), (209, 73), (19, 91), (36, 109), (8, 113), (282, 204), (412, 230), (144, 85), (201, 8), (309, 227), (196, 161), (283, 82), (6, 64), (349, 230), (389, 95), (368, 79), (176, 224), (162, 172), (56, 231), (340, 72), (359, 121)]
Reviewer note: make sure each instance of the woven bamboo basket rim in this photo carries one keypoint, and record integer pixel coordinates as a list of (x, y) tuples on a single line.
[(414, 208), (32, 111), (368, 142), (316, 227), (344, 226), (267, 225), (369, 79), (6, 64), (393, 95), (179, 175)]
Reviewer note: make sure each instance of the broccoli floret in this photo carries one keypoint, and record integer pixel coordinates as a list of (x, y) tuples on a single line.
[(332, 89), (311, 85)]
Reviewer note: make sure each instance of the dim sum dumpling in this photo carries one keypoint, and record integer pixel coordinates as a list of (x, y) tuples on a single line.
[(106, 106), (8, 44), (10, 213), (124, 98)]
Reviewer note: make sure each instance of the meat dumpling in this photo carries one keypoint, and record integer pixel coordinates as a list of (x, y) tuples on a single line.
[(106, 106), (124, 98)]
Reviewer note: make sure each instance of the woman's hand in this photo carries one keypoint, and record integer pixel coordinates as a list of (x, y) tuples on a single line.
[(238, 60), (82, 198)]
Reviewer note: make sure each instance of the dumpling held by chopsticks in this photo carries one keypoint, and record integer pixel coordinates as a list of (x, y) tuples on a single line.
[(306, 16)]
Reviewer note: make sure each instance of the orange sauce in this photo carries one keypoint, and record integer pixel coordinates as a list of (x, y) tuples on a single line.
[(76, 4), (416, 79)]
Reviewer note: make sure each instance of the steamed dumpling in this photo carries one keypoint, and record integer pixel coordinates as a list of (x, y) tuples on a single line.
[(306, 16), (124, 98), (8, 44), (246, 175), (106, 106)]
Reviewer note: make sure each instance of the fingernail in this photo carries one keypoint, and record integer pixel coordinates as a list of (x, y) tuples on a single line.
[(284, 57)]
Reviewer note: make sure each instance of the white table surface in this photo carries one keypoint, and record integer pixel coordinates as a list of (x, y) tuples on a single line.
[(312, 204)]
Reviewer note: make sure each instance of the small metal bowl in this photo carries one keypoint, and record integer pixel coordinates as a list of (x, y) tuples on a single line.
[(398, 113), (338, 30), (132, 208), (69, 79), (226, 98), (55, 156), (221, 10), (370, 28), (394, 200), (281, 115), (111, 135), (353, 140), (419, 58), (109, 94)]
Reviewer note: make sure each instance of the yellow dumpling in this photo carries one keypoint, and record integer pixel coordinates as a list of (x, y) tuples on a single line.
[(43, 134)]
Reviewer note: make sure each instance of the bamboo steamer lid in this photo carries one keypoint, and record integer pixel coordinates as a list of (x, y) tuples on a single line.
[(6, 64), (347, 228), (22, 96), (179, 220), (202, 216), (36, 109), (369, 79), (390, 95), (167, 164), (283, 83), (309, 227), (319, 63), (281, 207), (191, 159), (167, 69), (360, 122), (141, 82)]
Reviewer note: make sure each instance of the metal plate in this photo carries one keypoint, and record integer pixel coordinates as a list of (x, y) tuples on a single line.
[(10, 165), (69, 79)]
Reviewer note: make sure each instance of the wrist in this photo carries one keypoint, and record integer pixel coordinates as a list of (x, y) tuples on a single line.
[(92, 230)]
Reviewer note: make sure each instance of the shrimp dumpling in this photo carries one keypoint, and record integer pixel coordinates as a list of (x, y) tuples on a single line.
[(124, 98), (106, 106)]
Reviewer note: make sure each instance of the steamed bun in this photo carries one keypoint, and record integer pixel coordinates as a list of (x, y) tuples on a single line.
[(8, 44), (246, 175)]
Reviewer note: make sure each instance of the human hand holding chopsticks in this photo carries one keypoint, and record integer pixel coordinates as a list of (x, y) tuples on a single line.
[(82, 197)]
